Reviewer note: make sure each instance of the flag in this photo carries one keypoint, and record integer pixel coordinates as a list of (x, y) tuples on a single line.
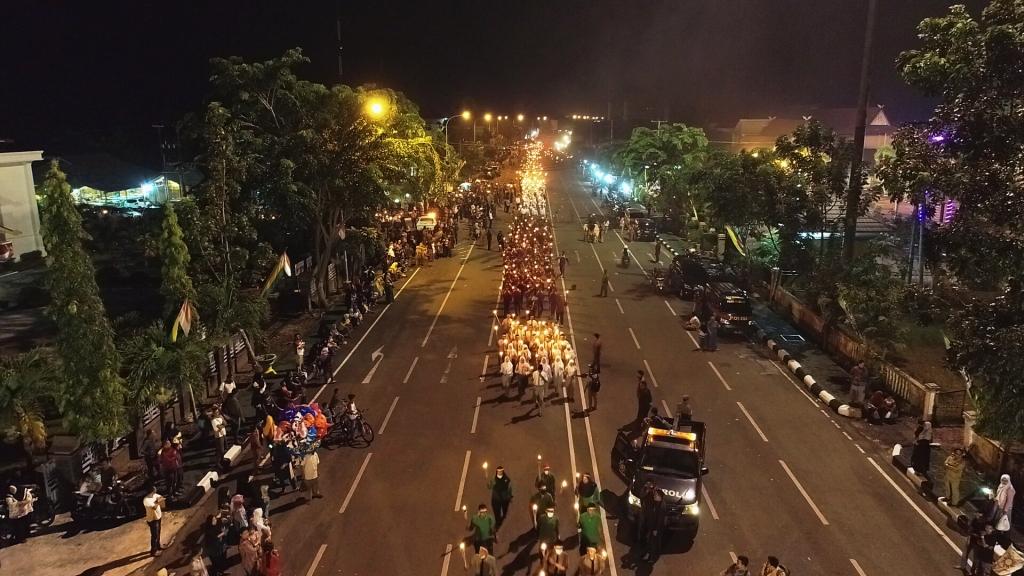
[(283, 265), (735, 240), (184, 320)]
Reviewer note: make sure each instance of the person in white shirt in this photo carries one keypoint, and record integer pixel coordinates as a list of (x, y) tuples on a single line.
[(506, 374), (154, 504), (220, 432), (311, 474)]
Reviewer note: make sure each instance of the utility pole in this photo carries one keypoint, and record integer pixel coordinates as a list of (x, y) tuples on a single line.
[(853, 194), (337, 20)]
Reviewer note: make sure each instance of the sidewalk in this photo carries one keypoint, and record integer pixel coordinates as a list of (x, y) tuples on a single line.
[(64, 549), (882, 437)]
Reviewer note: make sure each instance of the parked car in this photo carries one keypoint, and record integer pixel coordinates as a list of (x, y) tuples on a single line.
[(730, 305), (426, 222), (688, 271), (644, 230)]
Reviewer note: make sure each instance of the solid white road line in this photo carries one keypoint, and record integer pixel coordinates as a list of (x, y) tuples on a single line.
[(719, 374), (916, 507), (494, 316), (668, 411), (795, 385), (568, 429), (804, 493), (476, 415), (635, 341), (619, 304), (752, 423), (596, 257), (316, 560), (613, 569), (670, 308), (355, 483), (650, 373), (387, 417), (462, 482), (446, 296), (483, 371), (707, 500), (411, 368), (447, 560), (856, 566), (365, 334)]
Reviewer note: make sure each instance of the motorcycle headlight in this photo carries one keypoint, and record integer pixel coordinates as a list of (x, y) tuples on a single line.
[(633, 500)]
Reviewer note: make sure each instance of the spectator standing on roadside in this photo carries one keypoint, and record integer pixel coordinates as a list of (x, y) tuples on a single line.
[(954, 465), (563, 261), (858, 375), (921, 456), (300, 351), (154, 505), (19, 512), (271, 560), (711, 343), (311, 475), (150, 452), (171, 466), (249, 552), (684, 412), (213, 543), (220, 432)]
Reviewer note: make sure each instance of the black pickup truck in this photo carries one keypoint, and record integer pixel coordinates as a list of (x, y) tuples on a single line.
[(673, 459)]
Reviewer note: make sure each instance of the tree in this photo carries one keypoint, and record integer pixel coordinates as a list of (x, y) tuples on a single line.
[(973, 66), (177, 284), (159, 368), (91, 393), (762, 201), (988, 344), (667, 158), (25, 380), (870, 295)]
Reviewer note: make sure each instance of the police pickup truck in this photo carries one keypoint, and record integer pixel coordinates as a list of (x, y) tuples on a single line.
[(673, 459)]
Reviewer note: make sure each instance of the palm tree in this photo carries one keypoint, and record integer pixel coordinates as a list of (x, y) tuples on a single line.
[(24, 380), (157, 368)]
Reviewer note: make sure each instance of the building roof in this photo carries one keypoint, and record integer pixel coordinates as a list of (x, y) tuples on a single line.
[(764, 131), (99, 171)]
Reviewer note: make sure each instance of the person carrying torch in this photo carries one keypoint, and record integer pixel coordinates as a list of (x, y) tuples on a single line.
[(500, 486), (483, 526)]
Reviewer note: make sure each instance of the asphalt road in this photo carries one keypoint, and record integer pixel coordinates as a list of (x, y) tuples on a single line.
[(786, 478)]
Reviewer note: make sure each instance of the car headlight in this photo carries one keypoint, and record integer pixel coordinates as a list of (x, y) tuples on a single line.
[(693, 509), (633, 500)]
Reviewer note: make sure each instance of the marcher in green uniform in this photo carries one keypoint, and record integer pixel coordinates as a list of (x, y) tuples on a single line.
[(541, 501), (483, 526), (547, 531), (590, 529)]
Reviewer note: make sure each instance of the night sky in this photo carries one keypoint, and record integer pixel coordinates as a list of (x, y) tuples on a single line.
[(99, 65)]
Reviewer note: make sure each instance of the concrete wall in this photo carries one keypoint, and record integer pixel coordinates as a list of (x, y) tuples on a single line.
[(18, 209)]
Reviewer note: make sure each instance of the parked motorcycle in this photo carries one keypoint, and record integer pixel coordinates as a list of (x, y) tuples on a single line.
[(110, 505)]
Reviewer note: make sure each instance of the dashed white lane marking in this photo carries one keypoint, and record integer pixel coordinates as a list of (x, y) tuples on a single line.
[(707, 500), (752, 423), (668, 411), (670, 308), (635, 341), (732, 555), (462, 482), (447, 560), (719, 374), (316, 560), (848, 437), (411, 368), (650, 373), (916, 507), (856, 566), (578, 260), (476, 416), (446, 296), (387, 417), (804, 493), (355, 483), (483, 371), (619, 304), (857, 446), (596, 257), (692, 339)]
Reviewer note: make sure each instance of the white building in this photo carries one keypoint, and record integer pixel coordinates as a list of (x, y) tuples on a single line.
[(20, 231)]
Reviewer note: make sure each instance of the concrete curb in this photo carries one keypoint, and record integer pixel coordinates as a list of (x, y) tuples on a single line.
[(957, 516), (837, 406)]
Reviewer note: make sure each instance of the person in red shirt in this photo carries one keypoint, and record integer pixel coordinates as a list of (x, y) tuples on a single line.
[(271, 560), (171, 466)]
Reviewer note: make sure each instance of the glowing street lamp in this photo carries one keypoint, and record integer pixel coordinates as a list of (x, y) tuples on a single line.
[(519, 118), (466, 115), (487, 117), (376, 108)]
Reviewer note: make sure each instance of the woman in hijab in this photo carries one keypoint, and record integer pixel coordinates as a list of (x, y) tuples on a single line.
[(1002, 508), (921, 457)]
